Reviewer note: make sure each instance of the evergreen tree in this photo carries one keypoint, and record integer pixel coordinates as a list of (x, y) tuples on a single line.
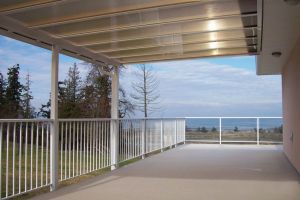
[(14, 93), (2, 96), (70, 94), (97, 92), (27, 97), (45, 110)]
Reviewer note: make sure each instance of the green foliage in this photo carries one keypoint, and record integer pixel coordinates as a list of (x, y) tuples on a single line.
[(214, 129), (70, 95), (90, 98), (2, 95), (28, 110), (236, 129)]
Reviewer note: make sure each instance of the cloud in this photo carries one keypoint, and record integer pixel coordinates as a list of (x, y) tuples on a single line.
[(198, 88)]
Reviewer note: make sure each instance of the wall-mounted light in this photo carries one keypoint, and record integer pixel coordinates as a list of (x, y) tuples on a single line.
[(292, 2), (276, 54)]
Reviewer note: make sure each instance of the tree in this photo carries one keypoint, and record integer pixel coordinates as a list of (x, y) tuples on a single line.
[(97, 93), (204, 130), (14, 92), (45, 110), (236, 129), (213, 129), (145, 96), (28, 110), (70, 94), (2, 96), (125, 106)]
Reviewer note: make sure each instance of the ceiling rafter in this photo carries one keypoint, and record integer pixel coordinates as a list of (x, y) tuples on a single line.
[(159, 23), (251, 38), (203, 54)]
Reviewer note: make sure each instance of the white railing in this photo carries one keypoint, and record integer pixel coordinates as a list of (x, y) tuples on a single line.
[(87, 145), (24, 156), (234, 129), (84, 146)]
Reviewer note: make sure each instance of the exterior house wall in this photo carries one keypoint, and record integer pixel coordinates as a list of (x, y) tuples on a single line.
[(291, 107)]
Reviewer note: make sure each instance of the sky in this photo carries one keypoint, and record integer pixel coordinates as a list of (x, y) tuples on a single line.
[(223, 86)]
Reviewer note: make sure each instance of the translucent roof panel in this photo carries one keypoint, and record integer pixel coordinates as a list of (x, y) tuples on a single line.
[(122, 31)]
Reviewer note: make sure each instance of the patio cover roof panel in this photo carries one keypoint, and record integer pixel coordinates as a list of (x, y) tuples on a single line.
[(117, 30)]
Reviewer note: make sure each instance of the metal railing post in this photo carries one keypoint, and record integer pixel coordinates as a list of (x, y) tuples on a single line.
[(257, 131), (144, 139), (184, 131), (54, 116), (175, 132), (161, 135), (220, 131)]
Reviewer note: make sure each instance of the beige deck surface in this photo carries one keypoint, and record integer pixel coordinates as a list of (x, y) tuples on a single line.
[(194, 171)]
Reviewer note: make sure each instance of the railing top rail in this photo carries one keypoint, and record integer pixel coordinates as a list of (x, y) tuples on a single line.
[(26, 120), (152, 118), (84, 119), (233, 117)]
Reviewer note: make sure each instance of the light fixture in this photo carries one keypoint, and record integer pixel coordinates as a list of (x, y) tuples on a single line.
[(276, 54), (292, 2)]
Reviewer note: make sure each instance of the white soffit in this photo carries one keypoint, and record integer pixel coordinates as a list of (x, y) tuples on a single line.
[(280, 32)]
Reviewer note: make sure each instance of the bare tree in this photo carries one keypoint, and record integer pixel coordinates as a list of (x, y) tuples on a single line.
[(145, 96)]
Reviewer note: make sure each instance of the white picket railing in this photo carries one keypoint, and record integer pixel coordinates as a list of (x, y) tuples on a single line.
[(84, 146), (24, 156)]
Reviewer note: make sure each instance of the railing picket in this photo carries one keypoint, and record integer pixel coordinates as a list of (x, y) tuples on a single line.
[(13, 160), (7, 159), (20, 156), (1, 136), (47, 152), (36, 154), (26, 145), (77, 147), (42, 156)]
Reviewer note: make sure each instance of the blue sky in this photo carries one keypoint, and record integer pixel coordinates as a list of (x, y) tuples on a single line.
[(223, 86)]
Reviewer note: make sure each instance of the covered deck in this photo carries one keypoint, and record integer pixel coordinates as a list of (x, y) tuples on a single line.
[(194, 171)]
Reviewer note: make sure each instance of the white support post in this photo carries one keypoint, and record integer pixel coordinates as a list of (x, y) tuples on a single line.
[(114, 126), (54, 116), (220, 130), (257, 131), (161, 135)]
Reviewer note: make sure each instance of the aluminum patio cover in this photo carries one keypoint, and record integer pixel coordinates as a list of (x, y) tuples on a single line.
[(133, 31)]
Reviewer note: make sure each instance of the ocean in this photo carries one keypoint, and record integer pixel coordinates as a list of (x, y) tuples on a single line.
[(231, 123)]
